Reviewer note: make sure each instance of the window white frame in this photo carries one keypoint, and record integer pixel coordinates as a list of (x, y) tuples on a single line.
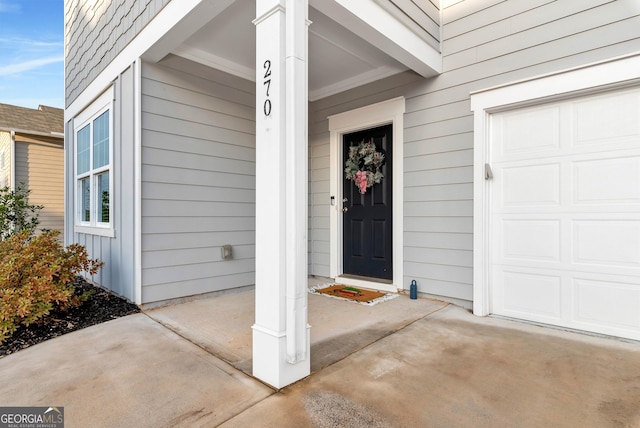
[(587, 79), (104, 103)]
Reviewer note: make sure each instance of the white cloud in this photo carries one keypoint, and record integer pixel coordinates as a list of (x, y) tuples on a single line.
[(21, 67), (21, 43), (6, 6)]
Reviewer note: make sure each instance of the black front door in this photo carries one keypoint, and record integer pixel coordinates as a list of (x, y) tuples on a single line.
[(367, 221)]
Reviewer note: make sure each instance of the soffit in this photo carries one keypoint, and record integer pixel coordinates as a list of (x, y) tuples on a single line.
[(338, 59)]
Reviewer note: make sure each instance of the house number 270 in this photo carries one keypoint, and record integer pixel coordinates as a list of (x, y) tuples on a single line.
[(267, 82)]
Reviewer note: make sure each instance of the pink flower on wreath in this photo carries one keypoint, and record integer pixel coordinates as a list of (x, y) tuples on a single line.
[(361, 181)]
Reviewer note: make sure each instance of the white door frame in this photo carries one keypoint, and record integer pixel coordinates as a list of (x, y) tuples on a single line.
[(591, 78), (383, 113)]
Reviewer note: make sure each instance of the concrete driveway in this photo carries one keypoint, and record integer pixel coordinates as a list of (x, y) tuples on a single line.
[(443, 369)]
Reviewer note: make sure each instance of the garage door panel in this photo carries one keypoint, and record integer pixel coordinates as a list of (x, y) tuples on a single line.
[(530, 132), (606, 181), (531, 240), (606, 303), (607, 242), (531, 296), (607, 118), (532, 185), (565, 213)]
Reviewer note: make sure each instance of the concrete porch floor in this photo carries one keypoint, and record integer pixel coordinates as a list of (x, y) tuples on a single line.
[(222, 325), (380, 366)]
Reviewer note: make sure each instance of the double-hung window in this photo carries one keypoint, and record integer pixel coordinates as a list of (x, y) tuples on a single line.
[(93, 167)]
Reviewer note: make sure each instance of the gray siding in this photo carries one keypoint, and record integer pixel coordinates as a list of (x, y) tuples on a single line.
[(422, 16), (117, 253), (39, 163), (198, 180), (484, 43), (96, 32), (319, 162)]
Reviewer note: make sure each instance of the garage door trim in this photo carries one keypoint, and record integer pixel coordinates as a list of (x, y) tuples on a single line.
[(588, 79)]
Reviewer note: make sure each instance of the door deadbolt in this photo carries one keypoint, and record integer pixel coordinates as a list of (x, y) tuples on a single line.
[(345, 209)]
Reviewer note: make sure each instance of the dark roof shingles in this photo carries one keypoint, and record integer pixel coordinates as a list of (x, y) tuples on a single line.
[(44, 119)]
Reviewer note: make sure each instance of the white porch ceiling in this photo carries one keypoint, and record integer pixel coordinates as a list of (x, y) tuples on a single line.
[(338, 59)]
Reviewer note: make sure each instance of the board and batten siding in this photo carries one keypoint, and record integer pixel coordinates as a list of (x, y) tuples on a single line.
[(198, 180), (5, 158), (117, 253), (484, 43), (39, 163), (96, 32)]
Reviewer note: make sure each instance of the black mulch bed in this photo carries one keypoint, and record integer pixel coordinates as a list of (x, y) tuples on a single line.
[(101, 306)]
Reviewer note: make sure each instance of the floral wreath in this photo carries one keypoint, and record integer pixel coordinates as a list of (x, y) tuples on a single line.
[(363, 166)]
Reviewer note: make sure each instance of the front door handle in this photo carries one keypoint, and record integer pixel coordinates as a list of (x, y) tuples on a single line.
[(345, 209)]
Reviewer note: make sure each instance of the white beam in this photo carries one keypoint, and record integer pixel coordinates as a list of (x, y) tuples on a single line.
[(373, 23), (201, 14), (281, 333)]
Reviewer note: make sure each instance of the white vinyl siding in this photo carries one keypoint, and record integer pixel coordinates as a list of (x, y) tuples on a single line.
[(198, 180), (484, 43)]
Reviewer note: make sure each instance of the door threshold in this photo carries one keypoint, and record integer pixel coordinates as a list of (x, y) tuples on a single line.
[(366, 282), (367, 278)]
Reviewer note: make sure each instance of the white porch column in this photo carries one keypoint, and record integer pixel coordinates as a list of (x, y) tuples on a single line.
[(281, 333)]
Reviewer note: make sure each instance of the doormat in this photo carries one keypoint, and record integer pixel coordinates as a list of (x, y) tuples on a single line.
[(352, 294)]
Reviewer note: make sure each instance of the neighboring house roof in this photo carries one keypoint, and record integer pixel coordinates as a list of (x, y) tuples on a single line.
[(43, 120)]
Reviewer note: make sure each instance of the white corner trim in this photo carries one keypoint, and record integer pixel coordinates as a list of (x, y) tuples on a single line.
[(564, 84), (137, 192), (481, 201), (383, 113)]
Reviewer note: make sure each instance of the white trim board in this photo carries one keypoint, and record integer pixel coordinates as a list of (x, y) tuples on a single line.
[(383, 113), (582, 80), (137, 286)]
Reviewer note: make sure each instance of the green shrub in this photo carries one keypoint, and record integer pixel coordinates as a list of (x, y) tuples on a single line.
[(36, 275), (16, 214)]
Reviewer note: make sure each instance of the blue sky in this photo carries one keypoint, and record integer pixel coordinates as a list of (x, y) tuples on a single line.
[(32, 52)]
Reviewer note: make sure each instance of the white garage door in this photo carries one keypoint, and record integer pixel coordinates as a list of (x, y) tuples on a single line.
[(565, 213)]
